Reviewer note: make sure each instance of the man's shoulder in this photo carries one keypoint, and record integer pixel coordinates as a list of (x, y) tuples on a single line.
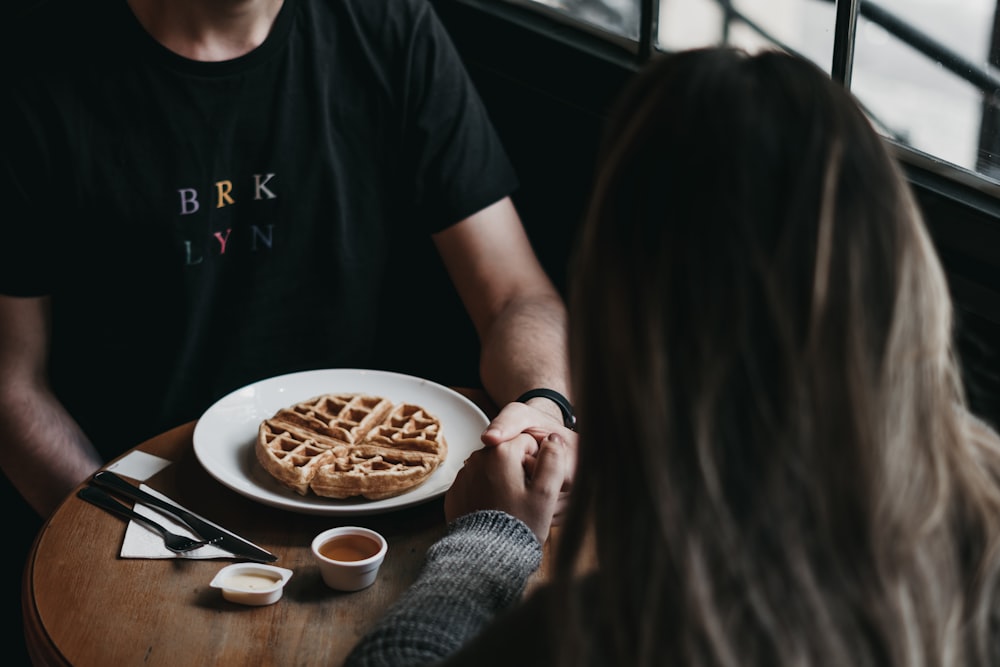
[(381, 6), (375, 10), (384, 25), (43, 32), (60, 19)]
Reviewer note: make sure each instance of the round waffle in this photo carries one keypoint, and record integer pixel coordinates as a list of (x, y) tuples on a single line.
[(347, 445)]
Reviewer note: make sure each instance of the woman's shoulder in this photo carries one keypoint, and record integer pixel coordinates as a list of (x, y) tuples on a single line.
[(983, 441), (542, 624), (980, 430)]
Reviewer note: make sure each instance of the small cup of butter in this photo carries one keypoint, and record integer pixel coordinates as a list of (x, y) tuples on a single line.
[(252, 584), (349, 557)]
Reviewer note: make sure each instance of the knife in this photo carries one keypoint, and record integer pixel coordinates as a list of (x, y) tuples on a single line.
[(221, 537)]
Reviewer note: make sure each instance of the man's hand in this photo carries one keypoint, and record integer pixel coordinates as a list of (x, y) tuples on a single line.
[(517, 418)]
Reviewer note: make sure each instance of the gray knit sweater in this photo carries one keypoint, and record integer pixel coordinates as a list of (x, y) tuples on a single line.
[(478, 569)]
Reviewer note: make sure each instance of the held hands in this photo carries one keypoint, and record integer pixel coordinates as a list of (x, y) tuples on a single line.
[(537, 419), (525, 469), (497, 478)]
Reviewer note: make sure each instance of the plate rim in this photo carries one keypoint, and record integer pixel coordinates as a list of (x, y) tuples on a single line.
[(415, 496)]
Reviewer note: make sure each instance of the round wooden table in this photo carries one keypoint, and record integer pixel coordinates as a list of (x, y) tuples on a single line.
[(86, 606)]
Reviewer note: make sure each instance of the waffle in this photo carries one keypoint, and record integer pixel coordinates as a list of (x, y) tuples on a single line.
[(347, 445)]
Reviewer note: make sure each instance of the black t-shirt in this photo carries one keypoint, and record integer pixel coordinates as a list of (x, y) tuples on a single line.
[(202, 225)]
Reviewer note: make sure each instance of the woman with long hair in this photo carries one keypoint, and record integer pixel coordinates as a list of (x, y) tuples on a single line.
[(775, 461)]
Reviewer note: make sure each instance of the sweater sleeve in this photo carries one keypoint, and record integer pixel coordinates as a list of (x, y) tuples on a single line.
[(478, 569)]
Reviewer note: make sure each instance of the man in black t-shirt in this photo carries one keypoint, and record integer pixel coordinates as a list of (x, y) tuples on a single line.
[(201, 195)]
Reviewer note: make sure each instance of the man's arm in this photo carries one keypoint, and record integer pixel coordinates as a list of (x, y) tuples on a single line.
[(42, 449), (517, 312)]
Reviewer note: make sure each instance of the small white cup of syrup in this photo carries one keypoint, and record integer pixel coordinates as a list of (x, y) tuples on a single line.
[(349, 557)]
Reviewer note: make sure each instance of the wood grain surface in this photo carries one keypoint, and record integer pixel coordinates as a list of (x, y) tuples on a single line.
[(85, 606)]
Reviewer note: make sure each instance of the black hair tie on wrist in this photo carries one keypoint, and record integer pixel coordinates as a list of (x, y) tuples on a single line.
[(569, 418)]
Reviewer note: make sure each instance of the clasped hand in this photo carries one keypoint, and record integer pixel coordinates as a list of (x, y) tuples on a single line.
[(525, 469)]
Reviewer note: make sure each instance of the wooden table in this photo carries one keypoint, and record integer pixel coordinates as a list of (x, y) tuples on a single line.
[(86, 606)]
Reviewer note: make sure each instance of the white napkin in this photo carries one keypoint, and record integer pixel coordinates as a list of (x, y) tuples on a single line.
[(140, 466), (142, 542)]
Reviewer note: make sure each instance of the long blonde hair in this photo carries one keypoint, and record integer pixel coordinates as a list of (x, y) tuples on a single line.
[(775, 456)]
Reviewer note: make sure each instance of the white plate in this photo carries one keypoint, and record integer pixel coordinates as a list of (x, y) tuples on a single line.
[(224, 436)]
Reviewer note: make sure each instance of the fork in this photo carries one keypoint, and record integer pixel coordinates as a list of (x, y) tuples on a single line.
[(172, 541)]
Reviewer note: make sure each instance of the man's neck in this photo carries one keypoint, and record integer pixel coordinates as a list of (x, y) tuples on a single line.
[(207, 30)]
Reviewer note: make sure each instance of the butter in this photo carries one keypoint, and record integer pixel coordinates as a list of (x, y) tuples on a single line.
[(252, 581), (252, 584)]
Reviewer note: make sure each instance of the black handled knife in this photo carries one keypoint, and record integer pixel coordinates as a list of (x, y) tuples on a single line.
[(220, 537)]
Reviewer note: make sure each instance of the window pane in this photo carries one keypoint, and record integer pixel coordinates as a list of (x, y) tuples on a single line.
[(928, 99), (620, 17), (801, 26), (920, 66)]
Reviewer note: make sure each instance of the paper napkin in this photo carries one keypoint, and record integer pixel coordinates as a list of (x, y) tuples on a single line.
[(142, 542), (140, 466)]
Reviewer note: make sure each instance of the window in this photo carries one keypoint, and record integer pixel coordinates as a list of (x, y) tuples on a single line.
[(922, 68), (925, 70), (805, 27), (615, 18)]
